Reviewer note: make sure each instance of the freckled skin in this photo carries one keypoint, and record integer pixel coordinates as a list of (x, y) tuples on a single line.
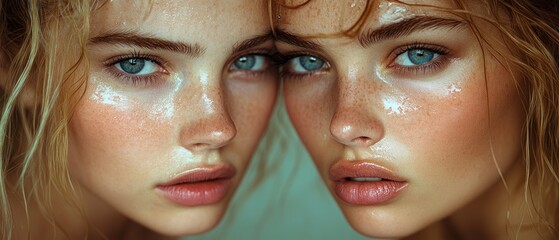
[(441, 146), (125, 139)]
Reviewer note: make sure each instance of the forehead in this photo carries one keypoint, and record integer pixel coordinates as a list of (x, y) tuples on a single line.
[(175, 18), (327, 16)]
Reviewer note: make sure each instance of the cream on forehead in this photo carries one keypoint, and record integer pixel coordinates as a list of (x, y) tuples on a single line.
[(389, 12)]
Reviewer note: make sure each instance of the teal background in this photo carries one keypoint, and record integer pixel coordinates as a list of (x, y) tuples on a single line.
[(289, 202)]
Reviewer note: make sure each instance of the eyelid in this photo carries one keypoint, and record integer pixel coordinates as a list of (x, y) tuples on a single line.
[(113, 60), (289, 56), (266, 52), (265, 63), (431, 47), (293, 54), (270, 56), (325, 65), (445, 54), (136, 80)]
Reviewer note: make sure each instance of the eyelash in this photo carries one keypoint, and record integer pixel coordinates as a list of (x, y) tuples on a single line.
[(431, 66), (285, 60), (136, 80), (271, 57)]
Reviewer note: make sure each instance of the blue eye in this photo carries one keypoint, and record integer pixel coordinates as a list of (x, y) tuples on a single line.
[(306, 63), (250, 63), (136, 66), (416, 56)]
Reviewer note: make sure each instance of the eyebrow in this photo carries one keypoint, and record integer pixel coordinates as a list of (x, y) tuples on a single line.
[(283, 36), (149, 42), (407, 27), (252, 42), (391, 31)]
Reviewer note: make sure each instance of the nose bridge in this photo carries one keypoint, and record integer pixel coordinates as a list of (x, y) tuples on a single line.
[(355, 120), (208, 124)]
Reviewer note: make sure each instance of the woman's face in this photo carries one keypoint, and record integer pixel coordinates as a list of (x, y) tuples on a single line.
[(401, 120), (178, 96)]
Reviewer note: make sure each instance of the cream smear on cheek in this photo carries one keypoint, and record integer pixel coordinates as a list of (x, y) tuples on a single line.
[(453, 92), (399, 102), (164, 109), (106, 95), (150, 116), (395, 101), (454, 88)]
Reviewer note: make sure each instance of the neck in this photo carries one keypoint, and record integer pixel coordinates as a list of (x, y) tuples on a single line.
[(90, 219), (497, 214)]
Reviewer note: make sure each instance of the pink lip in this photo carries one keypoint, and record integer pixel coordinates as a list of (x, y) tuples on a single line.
[(367, 192), (199, 186)]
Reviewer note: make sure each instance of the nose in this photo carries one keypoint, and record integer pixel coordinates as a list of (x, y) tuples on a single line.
[(355, 122), (210, 125)]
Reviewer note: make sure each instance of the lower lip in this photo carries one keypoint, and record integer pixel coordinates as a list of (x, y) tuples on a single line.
[(198, 193), (368, 193)]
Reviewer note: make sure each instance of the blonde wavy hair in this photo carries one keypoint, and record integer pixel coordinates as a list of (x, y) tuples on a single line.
[(530, 29), (42, 58)]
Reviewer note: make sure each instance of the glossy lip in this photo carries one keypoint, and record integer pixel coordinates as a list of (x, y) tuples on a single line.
[(369, 192), (199, 186)]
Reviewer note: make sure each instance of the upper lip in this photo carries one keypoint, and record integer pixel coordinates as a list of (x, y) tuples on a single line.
[(345, 169), (203, 173)]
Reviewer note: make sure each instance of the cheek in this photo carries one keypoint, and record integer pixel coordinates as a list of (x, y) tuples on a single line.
[(444, 144), (446, 135), (309, 105), (250, 106), (101, 125), (112, 139), (458, 138)]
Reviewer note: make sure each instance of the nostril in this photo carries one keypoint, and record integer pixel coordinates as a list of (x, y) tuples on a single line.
[(362, 140), (198, 146)]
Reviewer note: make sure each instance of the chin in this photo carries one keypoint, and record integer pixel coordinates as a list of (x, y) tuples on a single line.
[(188, 223), (378, 232), (189, 229), (379, 224)]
